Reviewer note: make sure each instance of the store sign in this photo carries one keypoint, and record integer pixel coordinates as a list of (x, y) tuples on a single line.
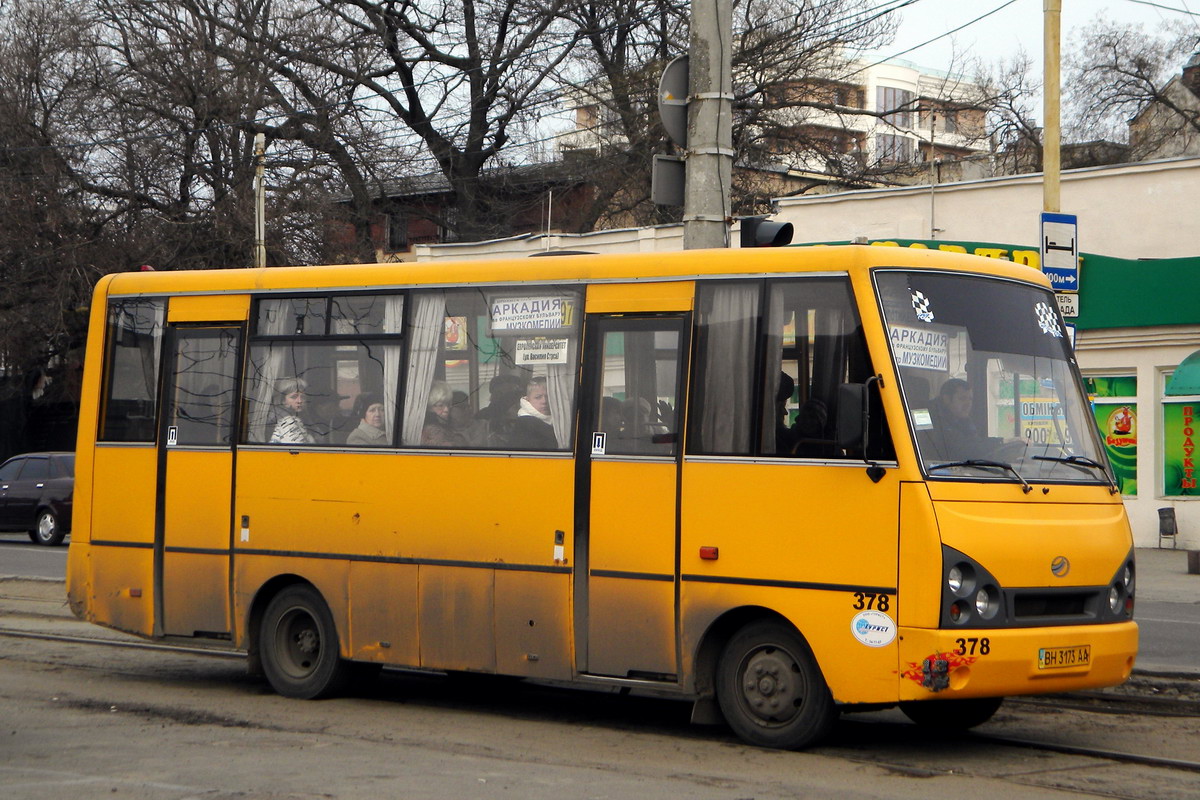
[(1179, 449)]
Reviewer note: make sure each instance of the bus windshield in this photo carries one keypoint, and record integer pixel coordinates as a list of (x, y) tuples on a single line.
[(988, 378)]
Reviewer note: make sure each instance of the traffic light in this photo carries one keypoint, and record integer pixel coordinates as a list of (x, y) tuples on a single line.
[(757, 232)]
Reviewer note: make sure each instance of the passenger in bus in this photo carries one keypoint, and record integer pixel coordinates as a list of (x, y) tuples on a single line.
[(368, 408), (492, 426), (810, 440), (806, 436), (290, 427), (461, 415), (785, 435), (955, 433), (533, 429), (438, 432)]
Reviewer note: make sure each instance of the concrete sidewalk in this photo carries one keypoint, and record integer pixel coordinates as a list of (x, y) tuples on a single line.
[(1162, 577)]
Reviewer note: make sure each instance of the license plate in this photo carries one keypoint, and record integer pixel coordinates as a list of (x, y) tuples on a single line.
[(1065, 657)]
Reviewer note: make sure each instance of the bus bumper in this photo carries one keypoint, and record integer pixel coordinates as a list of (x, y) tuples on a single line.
[(997, 663)]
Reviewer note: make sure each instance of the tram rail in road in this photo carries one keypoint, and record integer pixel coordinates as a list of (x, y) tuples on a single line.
[(1100, 702)]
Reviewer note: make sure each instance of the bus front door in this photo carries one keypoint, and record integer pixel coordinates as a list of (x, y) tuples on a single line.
[(193, 528), (627, 531)]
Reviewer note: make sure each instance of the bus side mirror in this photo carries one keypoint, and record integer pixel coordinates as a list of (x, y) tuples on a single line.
[(851, 415)]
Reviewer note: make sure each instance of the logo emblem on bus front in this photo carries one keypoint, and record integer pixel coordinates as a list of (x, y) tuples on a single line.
[(1060, 566)]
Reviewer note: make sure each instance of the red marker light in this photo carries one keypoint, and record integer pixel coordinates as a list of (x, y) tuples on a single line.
[(709, 553)]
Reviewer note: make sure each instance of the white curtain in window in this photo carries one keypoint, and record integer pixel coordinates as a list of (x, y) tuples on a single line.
[(726, 414), (773, 366), (424, 344), (275, 319), (393, 316), (560, 391)]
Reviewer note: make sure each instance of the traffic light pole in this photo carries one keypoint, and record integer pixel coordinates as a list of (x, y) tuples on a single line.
[(709, 165)]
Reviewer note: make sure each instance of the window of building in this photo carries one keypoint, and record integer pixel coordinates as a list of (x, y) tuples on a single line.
[(896, 105), (492, 369), (397, 231), (1179, 431), (1114, 404), (134, 341), (891, 149), (770, 359), (318, 365)]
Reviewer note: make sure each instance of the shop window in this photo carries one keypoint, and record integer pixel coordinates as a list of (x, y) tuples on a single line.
[(1181, 423), (1114, 404)]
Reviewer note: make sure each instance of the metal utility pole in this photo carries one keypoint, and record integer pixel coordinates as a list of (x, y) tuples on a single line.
[(1051, 131), (709, 165), (260, 217)]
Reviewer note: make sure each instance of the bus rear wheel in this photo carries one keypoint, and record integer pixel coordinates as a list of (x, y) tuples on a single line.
[(299, 645), (952, 715), (771, 690)]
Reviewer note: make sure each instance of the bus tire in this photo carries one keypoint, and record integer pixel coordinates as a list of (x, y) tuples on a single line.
[(771, 690), (951, 715), (299, 645)]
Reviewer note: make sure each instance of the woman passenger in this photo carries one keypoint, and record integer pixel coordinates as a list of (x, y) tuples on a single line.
[(438, 430), (369, 410)]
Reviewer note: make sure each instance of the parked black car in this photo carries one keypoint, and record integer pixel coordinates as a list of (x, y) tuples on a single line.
[(35, 495)]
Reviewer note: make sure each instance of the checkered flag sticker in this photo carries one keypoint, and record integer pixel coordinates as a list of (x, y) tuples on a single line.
[(1048, 320), (921, 306)]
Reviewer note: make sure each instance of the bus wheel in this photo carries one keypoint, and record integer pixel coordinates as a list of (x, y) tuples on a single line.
[(299, 645), (951, 715), (771, 690)]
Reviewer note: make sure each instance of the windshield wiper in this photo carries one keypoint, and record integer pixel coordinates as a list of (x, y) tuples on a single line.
[(983, 462), (1083, 461)]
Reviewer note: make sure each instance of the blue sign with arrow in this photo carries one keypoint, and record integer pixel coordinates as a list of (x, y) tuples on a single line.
[(1060, 250)]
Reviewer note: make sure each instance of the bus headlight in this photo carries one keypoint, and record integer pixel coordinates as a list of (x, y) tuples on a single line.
[(1114, 600), (955, 579), (987, 602), (960, 579), (971, 596), (1127, 578)]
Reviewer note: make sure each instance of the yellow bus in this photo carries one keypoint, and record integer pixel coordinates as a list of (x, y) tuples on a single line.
[(782, 483)]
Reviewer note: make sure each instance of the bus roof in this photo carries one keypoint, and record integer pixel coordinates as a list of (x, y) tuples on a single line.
[(681, 265)]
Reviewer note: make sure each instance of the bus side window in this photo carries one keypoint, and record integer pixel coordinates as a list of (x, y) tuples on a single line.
[(503, 361), (135, 333), (331, 349), (807, 343)]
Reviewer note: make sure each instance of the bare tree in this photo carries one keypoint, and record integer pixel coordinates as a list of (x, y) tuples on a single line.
[(51, 243), (1010, 91), (457, 78), (795, 85), (1125, 80)]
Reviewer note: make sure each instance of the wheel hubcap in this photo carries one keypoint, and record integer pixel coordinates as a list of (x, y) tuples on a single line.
[(770, 683), (45, 527), (298, 643)]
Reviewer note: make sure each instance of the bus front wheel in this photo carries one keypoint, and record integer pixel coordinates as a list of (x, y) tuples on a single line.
[(951, 715), (299, 645), (771, 690)]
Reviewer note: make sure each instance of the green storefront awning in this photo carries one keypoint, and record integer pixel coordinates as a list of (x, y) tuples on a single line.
[(1185, 380)]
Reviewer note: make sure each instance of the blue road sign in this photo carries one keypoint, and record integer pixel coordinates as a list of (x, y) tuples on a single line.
[(1060, 250)]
